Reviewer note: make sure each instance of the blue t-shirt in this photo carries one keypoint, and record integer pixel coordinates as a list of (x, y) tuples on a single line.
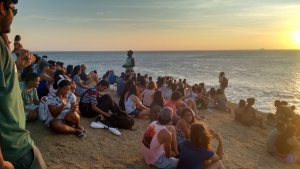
[(192, 157), (120, 86)]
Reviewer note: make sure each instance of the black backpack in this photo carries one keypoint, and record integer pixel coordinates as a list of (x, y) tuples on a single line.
[(119, 120)]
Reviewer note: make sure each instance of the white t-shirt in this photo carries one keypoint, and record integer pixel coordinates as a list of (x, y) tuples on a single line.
[(148, 97)]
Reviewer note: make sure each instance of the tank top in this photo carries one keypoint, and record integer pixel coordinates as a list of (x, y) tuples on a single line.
[(151, 148), (130, 105)]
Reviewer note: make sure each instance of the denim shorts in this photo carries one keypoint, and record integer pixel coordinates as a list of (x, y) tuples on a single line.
[(166, 163)]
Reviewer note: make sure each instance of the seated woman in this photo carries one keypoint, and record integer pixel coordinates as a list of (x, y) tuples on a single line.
[(158, 143), (183, 126), (80, 87), (248, 118), (131, 102), (30, 96), (288, 146), (238, 112), (92, 78), (63, 115), (148, 94), (221, 101), (196, 153)]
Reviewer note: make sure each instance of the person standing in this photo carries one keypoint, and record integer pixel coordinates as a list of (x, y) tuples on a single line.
[(223, 81), (17, 149), (130, 62)]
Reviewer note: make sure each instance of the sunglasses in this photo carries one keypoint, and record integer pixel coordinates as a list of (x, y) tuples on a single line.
[(14, 10)]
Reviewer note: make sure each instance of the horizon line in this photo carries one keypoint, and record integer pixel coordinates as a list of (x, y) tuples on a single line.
[(262, 49)]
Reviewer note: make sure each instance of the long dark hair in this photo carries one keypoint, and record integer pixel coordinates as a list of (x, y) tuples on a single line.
[(57, 76), (75, 71), (158, 99), (129, 87), (69, 69)]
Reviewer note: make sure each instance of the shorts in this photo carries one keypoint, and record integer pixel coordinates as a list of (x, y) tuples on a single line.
[(166, 163), (135, 113)]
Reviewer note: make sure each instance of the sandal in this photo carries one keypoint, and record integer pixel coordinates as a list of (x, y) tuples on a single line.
[(80, 134), (82, 129)]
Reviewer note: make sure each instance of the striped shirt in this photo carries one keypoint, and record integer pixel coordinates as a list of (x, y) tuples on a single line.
[(90, 96)]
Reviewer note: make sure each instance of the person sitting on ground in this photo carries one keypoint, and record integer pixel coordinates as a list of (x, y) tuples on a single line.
[(92, 78), (284, 113), (196, 153), (158, 99), (211, 98), (69, 71), (288, 146), (221, 101), (166, 88), (239, 111), (202, 100), (29, 95), (83, 76), (121, 83), (183, 126), (93, 104), (45, 79), (249, 118), (80, 87), (63, 111), (271, 147), (132, 105), (154, 113), (148, 94), (157, 147), (176, 104)]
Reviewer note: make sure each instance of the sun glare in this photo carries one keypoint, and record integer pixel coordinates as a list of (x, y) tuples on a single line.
[(297, 37)]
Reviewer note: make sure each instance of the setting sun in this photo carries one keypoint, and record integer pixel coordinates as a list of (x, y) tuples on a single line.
[(297, 37)]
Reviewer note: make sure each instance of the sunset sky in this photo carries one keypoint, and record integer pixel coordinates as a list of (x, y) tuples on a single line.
[(109, 25)]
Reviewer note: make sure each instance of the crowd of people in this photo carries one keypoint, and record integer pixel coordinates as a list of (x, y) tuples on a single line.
[(34, 88)]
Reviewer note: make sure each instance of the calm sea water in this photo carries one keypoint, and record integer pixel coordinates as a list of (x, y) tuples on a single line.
[(265, 75)]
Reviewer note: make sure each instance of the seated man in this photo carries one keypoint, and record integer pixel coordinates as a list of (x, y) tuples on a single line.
[(248, 118), (238, 112), (93, 104), (158, 142), (30, 96)]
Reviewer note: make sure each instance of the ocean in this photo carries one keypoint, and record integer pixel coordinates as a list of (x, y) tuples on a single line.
[(266, 75)]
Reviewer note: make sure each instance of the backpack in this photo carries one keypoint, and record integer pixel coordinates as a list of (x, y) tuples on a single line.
[(225, 82), (119, 120)]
